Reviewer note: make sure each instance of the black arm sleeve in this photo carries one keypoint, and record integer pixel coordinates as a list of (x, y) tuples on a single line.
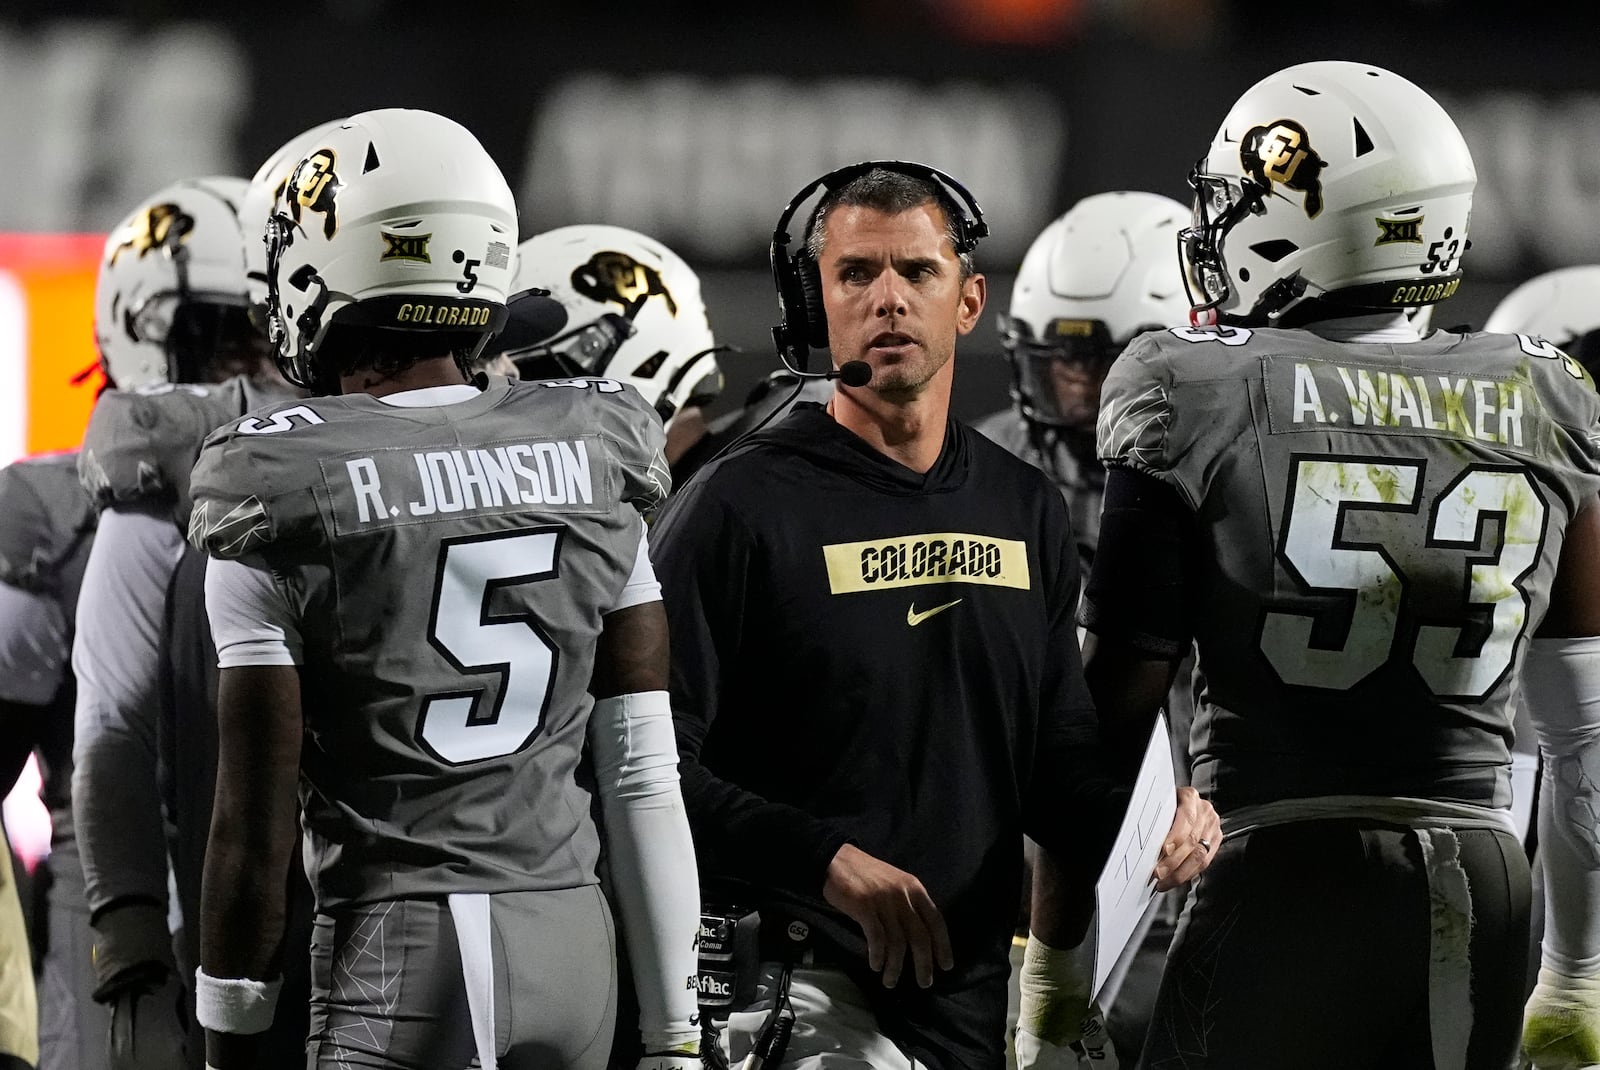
[(702, 552), (1073, 804), (1136, 591)]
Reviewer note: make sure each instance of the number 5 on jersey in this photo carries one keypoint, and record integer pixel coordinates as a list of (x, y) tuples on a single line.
[(453, 726), (1323, 490)]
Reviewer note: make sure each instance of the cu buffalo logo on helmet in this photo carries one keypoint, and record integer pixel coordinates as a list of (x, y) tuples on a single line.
[(313, 187), (161, 226), (617, 278), (1280, 152)]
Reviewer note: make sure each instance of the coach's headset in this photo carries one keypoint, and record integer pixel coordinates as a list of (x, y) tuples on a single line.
[(799, 281)]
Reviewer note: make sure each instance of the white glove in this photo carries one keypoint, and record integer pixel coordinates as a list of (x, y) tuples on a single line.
[(704, 1055), (1093, 1051), (148, 1026), (681, 1061), (1059, 1026), (1561, 1023)]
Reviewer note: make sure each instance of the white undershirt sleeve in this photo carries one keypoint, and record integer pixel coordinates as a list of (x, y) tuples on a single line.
[(116, 654), (1561, 686), (252, 623), (33, 646), (655, 878), (642, 586)]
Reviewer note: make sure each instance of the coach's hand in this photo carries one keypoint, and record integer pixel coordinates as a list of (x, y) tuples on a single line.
[(1191, 843), (895, 912)]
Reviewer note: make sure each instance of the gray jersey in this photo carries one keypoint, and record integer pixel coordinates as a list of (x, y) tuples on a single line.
[(47, 525), (142, 444), (449, 566), (1378, 531)]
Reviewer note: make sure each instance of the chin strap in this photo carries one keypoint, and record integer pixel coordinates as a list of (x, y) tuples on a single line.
[(1203, 317)]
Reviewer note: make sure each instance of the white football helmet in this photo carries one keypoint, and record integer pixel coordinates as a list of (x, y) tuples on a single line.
[(634, 314), (268, 182), (397, 221), (1330, 181), (1561, 306), (1090, 281), (170, 297)]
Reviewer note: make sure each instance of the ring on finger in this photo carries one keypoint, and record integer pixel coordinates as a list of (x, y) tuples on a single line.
[(1205, 844)]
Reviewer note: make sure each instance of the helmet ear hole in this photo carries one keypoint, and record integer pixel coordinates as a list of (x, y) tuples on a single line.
[(1364, 143), (1274, 249)]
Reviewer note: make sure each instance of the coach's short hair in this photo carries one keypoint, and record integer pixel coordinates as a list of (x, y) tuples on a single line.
[(890, 192)]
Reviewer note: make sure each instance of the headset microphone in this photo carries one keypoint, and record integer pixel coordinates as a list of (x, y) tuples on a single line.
[(850, 373), (853, 373)]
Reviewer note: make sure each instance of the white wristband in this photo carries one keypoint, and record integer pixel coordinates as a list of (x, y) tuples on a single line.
[(234, 1004)]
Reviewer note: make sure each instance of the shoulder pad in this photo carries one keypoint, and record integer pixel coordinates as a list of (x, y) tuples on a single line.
[(140, 446), (1564, 384), (1568, 394), (45, 521), (632, 427), (1178, 397), (254, 480), (1136, 408)]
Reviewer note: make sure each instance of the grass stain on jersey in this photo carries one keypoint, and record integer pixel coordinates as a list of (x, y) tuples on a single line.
[(1387, 483)]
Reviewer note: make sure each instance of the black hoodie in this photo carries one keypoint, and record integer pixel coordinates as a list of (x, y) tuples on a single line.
[(866, 654)]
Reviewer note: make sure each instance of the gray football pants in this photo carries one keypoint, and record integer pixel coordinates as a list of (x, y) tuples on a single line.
[(74, 1030), (425, 984)]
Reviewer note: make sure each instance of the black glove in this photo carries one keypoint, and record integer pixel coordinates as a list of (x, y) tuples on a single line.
[(135, 977), (149, 1029)]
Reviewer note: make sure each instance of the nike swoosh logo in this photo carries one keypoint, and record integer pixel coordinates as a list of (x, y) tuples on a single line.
[(914, 618)]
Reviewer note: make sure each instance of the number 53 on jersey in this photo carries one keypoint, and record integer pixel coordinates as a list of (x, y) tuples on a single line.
[(1457, 658)]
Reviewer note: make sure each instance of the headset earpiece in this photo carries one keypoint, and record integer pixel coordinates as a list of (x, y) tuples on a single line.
[(790, 333), (809, 277)]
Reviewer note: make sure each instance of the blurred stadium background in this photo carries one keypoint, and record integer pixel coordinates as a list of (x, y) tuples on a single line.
[(695, 122)]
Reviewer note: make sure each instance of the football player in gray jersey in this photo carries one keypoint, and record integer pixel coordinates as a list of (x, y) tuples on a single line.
[(434, 610), (172, 327), (46, 528), (1091, 281), (186, 731), (1374, 541)]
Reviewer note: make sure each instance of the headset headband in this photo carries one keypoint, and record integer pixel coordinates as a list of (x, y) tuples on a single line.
[(969, 228)]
